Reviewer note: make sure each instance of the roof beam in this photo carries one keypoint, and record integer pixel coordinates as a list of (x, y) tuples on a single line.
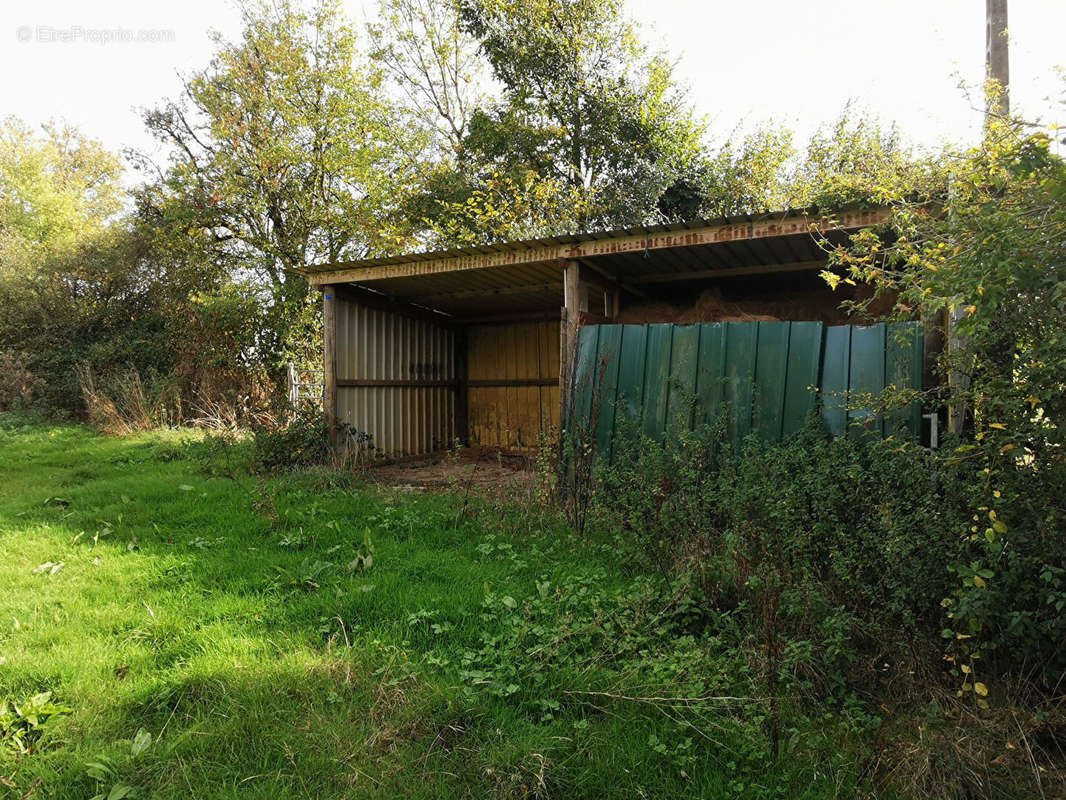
[(384, 302), (606, 280), (592, 247), (430, 299)]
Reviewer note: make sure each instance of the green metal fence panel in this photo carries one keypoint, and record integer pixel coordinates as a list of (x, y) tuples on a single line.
[(771, 371), (767, 375), (836, 367), (866, 382), (657, 380), (903, 370), (684, 363), (584, 372), (710, 371), (804, 360), (631, 370), (741, 342), (608, 357)]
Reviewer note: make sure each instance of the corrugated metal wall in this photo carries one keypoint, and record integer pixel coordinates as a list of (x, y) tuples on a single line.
[(764, 372), (405, 369), (513, 372)]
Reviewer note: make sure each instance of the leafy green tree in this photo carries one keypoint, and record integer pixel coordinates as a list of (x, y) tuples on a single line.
[(585, 106), (505, 207), (84, 283), (856, 160), (54, 189), (853, 160), (749, 176), (283, 153), (59, 194), (425, 52)]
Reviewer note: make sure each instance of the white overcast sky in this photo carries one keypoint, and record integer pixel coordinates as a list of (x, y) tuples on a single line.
[(799, 63)]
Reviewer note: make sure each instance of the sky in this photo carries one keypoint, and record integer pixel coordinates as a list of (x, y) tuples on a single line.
[(96, 64)]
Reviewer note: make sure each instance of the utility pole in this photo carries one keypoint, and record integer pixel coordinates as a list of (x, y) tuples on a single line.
[(997, 104), (997, 63)]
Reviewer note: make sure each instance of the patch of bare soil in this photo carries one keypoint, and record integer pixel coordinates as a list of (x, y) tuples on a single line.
[(480, 468)]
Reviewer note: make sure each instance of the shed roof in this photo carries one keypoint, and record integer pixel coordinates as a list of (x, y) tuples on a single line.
[(523, 276)]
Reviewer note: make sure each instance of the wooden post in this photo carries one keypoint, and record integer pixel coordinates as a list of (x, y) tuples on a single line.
[(570, 320), (997, 75), (329, 360), (997, 61), (462, 382)]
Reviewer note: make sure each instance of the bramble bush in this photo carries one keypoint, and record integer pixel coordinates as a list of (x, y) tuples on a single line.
[(303, 441), (859, 572), (872, 523), (872, 543)]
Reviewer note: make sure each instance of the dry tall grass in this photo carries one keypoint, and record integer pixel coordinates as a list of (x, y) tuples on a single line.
[(120, 404)]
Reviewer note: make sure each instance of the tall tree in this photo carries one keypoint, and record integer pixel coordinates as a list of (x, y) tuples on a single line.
[(54, 188), (82, 281), (585, 106), (283, 154), (990, 255), (435, 63)]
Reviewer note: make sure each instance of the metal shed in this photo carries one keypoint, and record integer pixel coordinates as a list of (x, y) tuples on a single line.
[(474, 344)]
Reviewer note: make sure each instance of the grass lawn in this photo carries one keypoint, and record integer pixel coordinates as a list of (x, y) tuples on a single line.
[(304, 636)]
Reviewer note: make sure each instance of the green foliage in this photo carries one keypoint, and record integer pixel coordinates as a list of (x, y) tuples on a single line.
[(584, 107), (823, 544), (423, 48), (23, 723), (81, 288), (282, 154), (504, 207), (54, 190), (855, 160), (303, 441), (18, 385), (988, 254), (749, 176), (106, 769)]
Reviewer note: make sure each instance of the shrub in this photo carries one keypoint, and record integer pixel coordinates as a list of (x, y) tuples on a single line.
[(18, 386), (868, 522), (301, 442)]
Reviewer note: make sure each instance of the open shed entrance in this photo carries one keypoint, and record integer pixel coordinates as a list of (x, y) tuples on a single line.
[(473, 345)]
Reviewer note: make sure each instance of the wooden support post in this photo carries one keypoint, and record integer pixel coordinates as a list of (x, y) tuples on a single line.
[(613, 304), (462, 383), (329, 360), (958, 381), (570, 320)]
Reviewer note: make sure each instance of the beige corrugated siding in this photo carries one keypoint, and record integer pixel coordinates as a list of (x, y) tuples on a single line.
[(378, 345), (513, 416)]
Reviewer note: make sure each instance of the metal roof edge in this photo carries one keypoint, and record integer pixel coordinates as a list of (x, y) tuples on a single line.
[(606, 235)]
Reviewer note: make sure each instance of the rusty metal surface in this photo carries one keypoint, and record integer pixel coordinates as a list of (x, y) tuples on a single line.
[(390, 354)]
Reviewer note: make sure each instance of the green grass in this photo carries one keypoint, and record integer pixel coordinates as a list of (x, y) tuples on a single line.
[(227, 619)]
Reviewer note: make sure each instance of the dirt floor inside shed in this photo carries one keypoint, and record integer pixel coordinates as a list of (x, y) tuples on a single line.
[(484, 469)]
